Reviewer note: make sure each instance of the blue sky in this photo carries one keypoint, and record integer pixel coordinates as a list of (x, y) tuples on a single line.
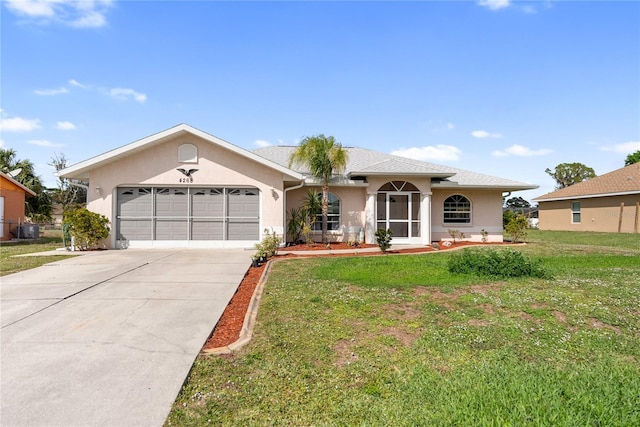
[(507, 88)]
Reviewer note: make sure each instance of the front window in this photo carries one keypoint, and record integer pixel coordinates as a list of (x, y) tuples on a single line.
[(333, 214), (457, 210), (575, 212)]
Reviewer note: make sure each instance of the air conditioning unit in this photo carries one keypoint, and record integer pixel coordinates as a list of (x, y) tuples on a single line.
[(28, 231)]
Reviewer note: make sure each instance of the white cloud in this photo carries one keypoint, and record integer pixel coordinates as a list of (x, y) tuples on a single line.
[(1, 143), (43, 143), (126, 94), (484, 134), (76, 83), (261, 143), (624, 148), (521, 151), (74, 13), (18, 124), (439, 152), (494, 4), (50, 92), (65, 125), (450, 126)]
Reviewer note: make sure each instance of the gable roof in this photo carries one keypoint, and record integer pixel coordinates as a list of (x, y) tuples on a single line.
[(80, 170), (619, 182), (16, 183), (365, 162)]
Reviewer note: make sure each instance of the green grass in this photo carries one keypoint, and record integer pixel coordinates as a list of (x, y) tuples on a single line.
[(9, 263), (397, 340)]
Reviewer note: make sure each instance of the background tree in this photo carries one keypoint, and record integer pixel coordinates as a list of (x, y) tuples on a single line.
[(69, 196), (324, 157), (566, 174), (38, 208), (632, 158), (517, 202)]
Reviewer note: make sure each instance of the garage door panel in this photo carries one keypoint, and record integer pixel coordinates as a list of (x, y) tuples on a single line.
[(172, 202), (135, 202), (243, 202), (242, 229), (208, 202), (207, 230), (134, 229), (171, 229)]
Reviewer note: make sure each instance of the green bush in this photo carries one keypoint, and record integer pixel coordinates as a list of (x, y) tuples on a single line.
[(269, 245), (87, 227), (517, 228), (504, 263), (383, 237)]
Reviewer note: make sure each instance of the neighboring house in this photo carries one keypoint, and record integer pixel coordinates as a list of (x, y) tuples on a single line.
[(186, 188), (608, 202), (12, 202)]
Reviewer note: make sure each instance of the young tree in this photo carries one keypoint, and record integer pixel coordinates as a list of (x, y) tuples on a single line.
[(632, 158), (566, 174), (69, 196), (324, 157)]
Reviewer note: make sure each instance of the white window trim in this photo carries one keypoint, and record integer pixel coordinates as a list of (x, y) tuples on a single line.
[(573, 212), (187, 153), (458, 224)]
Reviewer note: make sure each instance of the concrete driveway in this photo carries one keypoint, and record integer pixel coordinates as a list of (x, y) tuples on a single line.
[(108, 338)]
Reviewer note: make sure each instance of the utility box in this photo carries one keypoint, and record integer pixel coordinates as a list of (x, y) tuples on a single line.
[(28, 231)]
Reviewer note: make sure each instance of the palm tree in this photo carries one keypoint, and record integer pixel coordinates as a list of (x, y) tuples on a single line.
[(324, 157)]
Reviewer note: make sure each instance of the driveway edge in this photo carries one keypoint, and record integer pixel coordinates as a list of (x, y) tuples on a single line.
[(246, 333)]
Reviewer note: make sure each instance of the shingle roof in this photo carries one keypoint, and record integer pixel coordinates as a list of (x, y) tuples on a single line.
[(625, 180), (362, 161)]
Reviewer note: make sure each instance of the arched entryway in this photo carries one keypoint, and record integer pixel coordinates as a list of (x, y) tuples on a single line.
[(398, 209)]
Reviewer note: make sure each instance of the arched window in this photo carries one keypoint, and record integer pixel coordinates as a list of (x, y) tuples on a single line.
[(457, 210), (333, 214), (188, 153)]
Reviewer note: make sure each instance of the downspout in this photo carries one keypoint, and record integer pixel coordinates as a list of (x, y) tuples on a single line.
[(284, 203)]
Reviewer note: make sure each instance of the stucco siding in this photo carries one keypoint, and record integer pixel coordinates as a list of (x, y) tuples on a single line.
[(596, 214), (217, 167), (486, 214), (352, 205)]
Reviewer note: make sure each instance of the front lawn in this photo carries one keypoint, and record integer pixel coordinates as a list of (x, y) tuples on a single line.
[(398, 340), (9, 263)]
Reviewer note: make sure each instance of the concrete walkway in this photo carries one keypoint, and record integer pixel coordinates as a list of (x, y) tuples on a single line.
[(108, 338)]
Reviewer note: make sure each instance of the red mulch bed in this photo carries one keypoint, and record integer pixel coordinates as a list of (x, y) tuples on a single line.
[(227, 331)]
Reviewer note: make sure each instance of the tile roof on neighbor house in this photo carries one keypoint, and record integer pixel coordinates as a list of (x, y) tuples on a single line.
[(616, 183), (362, 161)]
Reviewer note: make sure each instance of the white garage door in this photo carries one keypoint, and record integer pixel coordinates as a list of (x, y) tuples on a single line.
[(170, 214)]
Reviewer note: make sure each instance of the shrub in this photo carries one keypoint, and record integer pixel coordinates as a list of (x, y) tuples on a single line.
[(507, 216), (383, 238), (456, 234), (86, 227), (517, 228), (504, 263), (269, 245)]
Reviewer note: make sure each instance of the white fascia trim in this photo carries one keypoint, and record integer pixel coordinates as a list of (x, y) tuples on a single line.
[(436, 186), (311, 182), (588, 196), (159, 137)]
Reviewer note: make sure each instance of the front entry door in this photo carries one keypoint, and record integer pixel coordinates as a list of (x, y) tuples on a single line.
[(399, 212)]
